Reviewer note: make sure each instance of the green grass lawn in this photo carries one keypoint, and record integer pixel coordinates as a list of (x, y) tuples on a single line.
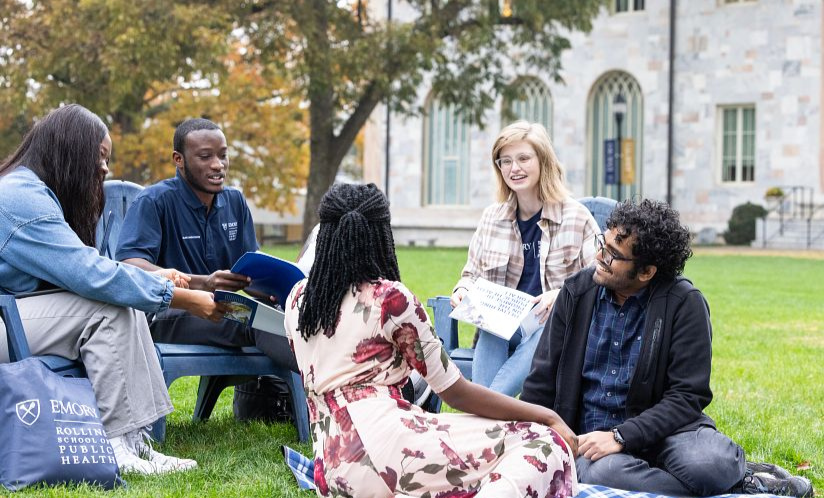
[(768, 380)]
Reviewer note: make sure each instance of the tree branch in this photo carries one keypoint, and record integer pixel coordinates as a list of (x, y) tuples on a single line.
[(366, 104)]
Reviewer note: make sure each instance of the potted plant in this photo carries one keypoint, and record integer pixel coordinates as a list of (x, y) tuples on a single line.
[(774, 193), (773, 196)]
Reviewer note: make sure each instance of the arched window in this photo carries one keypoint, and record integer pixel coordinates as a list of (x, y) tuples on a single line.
[(534, 103), (602, 126), (446, 155)]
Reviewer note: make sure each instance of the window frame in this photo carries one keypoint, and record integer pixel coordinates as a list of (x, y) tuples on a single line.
[(541, 90), (632, 6), (600, 125), (462, 131), (738, 167)]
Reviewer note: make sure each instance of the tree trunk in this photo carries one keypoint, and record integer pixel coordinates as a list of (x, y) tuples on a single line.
[(321, 108)]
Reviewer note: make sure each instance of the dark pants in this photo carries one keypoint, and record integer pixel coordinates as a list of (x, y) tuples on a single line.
[(702, 462), (180, 327)]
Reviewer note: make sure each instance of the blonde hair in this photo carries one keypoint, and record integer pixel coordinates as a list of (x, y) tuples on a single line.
[(551, 187)]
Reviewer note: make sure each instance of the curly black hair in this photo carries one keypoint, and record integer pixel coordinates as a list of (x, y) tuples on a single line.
[(660, 239), (354, 245)]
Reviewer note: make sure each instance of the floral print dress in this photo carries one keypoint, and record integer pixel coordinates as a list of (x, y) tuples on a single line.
[(369, 442)]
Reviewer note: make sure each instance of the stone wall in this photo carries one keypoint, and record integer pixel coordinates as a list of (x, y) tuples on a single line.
[(765, 52)]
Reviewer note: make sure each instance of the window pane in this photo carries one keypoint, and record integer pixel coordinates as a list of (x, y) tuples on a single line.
[(535, 105), (446, 155), (621, 5), (639, 4), (748, 145), (738, 144), (728, 152), (602, 126)]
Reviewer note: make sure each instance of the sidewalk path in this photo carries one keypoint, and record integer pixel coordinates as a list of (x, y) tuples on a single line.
[(754, 251)]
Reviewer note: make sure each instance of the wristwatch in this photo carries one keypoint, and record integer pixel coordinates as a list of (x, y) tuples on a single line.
[(618, 437)]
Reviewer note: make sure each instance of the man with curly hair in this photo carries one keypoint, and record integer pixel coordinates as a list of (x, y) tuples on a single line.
[(625, 361)]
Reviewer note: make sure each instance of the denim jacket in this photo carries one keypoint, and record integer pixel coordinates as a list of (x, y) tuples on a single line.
[(36, 245)]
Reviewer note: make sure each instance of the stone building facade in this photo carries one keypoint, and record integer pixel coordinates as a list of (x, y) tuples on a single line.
[(746, 116)]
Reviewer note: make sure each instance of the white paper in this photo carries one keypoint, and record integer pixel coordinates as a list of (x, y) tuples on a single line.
[(497, 309)]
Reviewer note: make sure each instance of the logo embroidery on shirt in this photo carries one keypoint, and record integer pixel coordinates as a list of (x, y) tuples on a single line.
[(187, 237), (232, 227)]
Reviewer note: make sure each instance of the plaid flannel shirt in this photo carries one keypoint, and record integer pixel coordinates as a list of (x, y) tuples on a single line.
[(495, 252)]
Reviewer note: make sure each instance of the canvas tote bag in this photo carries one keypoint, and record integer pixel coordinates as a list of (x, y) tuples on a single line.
[(50, 429)]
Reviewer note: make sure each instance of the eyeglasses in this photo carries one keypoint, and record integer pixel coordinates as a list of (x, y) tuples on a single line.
[(508, 162), (607, 255)]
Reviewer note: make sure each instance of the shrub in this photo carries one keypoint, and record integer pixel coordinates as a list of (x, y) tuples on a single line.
[(774, 192), (741, 227)]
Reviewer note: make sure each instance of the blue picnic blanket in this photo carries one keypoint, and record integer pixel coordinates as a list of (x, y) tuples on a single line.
[(304, 470)]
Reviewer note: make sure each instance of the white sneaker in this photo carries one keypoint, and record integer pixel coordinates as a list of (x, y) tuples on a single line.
[(126, 458), (142, 444)]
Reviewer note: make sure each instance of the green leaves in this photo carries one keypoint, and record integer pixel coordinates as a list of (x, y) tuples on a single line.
[(259, 67), (455, 477), (495, 432), (432, 468)]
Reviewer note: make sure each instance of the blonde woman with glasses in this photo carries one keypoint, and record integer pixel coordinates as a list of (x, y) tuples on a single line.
[(532, 239)]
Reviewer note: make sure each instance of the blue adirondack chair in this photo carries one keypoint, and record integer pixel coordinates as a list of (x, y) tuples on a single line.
[(218, 368), (447, 328), (18, 345)]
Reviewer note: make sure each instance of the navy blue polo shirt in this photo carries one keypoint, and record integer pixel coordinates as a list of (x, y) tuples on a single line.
[(168, 226)]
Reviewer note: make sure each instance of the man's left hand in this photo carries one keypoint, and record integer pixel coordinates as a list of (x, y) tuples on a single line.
[(597, 444)]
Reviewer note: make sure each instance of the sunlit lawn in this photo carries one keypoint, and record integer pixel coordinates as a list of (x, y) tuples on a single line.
[(768, 379)]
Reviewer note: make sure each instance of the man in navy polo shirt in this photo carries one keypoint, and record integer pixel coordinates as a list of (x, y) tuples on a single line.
[(195, 225)]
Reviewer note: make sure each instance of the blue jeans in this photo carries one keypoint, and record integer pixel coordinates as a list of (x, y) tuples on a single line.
[(493, 367), (702, 462)]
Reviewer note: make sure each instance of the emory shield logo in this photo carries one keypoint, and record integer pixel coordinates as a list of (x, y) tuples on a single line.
[(225, 226), (28, 411)]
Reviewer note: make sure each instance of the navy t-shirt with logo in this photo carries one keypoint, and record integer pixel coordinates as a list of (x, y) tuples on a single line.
[(168, 226), (530, 281)]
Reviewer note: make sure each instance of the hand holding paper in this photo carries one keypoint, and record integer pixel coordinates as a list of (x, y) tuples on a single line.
[(496, 309), (544, 304)]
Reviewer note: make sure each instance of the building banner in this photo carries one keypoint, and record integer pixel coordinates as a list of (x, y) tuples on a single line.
[(609, 162), (627, 161)]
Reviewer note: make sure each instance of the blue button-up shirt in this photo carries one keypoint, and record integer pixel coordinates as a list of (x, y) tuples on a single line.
[(37, 245), (167, 225), (613, 348)]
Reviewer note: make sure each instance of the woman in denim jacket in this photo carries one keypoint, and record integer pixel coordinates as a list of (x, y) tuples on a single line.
[(531, 240), (51, 196)]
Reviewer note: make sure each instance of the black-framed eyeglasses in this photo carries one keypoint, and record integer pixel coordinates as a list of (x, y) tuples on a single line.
[(607, 255)]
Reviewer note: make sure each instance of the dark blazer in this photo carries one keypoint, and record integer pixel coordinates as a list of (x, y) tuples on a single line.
[(671, 383)]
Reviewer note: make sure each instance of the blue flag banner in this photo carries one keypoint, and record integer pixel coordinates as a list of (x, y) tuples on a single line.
[(609, 162)]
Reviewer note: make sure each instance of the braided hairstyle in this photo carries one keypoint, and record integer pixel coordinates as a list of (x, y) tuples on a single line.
[(354, 245)]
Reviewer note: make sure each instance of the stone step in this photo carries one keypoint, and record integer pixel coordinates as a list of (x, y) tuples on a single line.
[(784, 245)]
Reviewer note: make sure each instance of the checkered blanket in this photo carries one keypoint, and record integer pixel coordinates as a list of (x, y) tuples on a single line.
[(304, 470)]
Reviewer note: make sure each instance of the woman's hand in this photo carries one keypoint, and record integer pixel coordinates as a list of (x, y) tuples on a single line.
[(199, 303), (558, 425), (545, 302), (178, 278), (457, 296)]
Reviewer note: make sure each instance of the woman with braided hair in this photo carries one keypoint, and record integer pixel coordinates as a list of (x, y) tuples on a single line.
[(357, 333)]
